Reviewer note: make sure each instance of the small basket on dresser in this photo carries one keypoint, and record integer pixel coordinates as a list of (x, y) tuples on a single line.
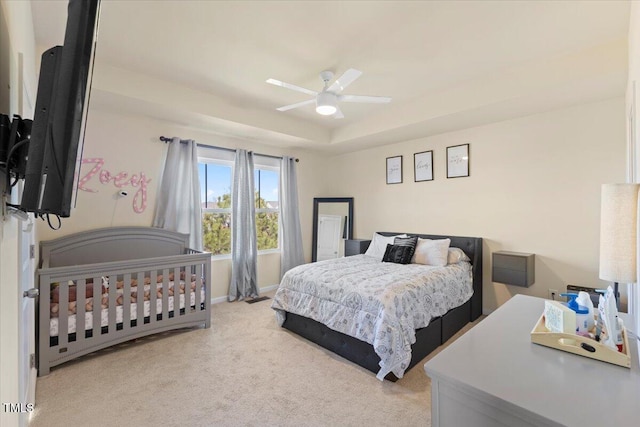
[(582, 346)]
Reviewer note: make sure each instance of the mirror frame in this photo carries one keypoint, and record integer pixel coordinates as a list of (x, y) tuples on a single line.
[(316, 202)]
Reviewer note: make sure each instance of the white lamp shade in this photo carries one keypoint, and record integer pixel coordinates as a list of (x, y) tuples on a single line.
[(618, 232)]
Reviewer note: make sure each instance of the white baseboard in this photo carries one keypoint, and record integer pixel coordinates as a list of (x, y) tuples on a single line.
[(218, 300), (269, 288), (262, 290), (486, 311)]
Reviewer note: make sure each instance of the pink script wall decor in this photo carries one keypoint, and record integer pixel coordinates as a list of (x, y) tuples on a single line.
[(119, 180)]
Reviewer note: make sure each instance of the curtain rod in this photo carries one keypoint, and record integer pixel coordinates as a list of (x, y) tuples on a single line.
[(166, 140)]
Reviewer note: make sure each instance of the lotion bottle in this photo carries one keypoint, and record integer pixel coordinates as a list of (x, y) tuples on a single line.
[(582, 314), (584, 300)]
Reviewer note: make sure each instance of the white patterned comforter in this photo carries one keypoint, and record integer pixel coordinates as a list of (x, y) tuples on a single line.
[(377, 302)]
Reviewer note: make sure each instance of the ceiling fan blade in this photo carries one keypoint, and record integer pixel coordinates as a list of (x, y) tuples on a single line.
[(299, 104), (345, 80), (290, 86), (338, 114), (364, 98)]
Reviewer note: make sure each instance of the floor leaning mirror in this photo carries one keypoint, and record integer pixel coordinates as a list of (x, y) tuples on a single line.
[(332, 225)]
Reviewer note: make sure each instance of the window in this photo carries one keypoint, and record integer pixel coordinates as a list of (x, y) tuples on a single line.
[(216, 177), (267, 208), (215, 196)]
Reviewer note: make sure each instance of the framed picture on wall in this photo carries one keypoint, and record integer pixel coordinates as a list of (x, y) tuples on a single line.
[(394, 170), (458, 161), (423, 166)]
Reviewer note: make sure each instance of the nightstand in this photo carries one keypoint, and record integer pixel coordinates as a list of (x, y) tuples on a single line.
[(356, 246), (513, 268)]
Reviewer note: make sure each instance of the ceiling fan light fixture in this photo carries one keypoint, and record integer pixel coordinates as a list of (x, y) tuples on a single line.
[(327, 100), (326, 110), (326, 103)]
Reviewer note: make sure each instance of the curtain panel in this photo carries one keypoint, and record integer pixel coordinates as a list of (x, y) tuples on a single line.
[(292, 253), (244, 252), (178, 207)]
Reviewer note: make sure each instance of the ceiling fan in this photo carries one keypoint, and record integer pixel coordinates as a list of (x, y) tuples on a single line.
[(327, 100)]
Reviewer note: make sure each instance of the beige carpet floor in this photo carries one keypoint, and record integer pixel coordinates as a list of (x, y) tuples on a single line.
[(243, 371)]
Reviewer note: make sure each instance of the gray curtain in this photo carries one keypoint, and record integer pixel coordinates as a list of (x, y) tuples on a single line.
[(244, 252), (178, 202), (292, 254)]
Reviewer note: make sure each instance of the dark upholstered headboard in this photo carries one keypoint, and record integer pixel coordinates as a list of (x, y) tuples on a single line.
[(111, 244), (472, 246)]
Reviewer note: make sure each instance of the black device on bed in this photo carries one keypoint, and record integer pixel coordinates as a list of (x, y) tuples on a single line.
[(439, 331)]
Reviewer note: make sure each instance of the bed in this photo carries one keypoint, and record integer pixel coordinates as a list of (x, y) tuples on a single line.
[(314, 301), (103, 287)]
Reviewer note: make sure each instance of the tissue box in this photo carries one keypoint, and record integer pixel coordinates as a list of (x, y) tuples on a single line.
[(559, 318)]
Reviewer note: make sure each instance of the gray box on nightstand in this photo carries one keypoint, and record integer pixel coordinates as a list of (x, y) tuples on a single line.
[(513, 268)]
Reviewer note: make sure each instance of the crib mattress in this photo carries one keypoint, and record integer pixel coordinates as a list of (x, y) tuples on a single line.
[(133, 310)]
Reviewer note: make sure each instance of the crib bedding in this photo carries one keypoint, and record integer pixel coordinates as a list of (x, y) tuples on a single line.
[(379, 303), (119, 297), (133, 310)]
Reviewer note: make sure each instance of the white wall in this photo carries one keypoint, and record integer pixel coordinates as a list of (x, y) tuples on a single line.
[(534, 187), (130, 144), (16, 47)]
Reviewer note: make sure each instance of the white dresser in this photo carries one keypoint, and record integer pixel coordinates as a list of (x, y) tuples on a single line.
[(495, 376)]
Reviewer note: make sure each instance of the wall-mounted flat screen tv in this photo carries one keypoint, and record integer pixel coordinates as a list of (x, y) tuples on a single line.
[(57, 136)]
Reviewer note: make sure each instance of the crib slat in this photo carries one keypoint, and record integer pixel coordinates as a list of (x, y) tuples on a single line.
[(198, 280), (207, 292), (176, 292), (97, 306), (126, 303), (113, 294), (153, 296), (63, 316), (140, 300), (81, 289), (165, 294)]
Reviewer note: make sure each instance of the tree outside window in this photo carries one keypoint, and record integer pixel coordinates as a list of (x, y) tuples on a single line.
[(215, 185), (267, 208)]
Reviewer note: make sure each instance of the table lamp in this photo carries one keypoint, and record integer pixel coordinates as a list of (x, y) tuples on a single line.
[(618, 234)]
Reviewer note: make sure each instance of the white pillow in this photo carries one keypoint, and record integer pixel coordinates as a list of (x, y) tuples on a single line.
[(456, 255), (432, 252), (379, 244)]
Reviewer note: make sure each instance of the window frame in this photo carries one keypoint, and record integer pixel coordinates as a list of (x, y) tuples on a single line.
[(229, 210), (224, 159)]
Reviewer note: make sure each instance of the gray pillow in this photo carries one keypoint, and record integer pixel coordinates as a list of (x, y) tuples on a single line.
[(407, 241)]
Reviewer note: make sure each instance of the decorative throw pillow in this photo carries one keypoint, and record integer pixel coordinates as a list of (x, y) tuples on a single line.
[(398, 254), (379, 244), (432, 252), (456, 255), (407, 241)]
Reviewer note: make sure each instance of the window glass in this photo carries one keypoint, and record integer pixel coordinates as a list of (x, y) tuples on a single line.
[(215, 187), (215, 191), (267, 208)]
